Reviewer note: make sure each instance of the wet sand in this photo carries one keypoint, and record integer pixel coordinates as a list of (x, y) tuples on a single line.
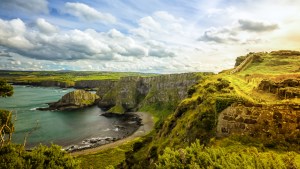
[(147, 126)]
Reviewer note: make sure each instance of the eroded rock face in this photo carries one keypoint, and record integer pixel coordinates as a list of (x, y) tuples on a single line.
[(74, 100), (289, 88), (261, 121)]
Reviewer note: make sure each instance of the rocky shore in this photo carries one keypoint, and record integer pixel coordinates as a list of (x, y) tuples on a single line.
[(146, 125), (125, 131)]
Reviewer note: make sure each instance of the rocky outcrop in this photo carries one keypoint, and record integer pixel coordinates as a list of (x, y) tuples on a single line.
[(132, 93), (74, 100), (261, 121), (286, 89)]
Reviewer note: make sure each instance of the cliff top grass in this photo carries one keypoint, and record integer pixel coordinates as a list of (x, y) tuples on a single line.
[(61, 76), (276, 66)]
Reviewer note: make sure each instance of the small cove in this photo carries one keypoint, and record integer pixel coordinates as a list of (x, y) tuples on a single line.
[(60, 127)]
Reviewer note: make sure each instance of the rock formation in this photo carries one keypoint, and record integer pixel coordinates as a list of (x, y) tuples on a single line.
[(74, 100), (261, 121), (133, 93)]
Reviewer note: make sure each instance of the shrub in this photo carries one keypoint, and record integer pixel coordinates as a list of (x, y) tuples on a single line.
[(224, 102), (239, 60), (14, 156)]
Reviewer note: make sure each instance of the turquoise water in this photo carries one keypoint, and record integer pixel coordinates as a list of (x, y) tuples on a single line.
[(59, 127)]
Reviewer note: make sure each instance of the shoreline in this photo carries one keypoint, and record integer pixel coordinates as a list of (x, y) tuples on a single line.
[(147, 126)]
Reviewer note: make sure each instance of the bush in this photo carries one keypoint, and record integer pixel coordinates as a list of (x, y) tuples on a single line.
[(239, 60), (191, 91), (5, 89), (224, 102), (222, 84)]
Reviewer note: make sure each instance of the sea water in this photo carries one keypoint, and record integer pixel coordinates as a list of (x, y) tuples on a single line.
[(59, 127)]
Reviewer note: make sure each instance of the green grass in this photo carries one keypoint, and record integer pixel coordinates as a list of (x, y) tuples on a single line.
[(104, 158), (70, 76)]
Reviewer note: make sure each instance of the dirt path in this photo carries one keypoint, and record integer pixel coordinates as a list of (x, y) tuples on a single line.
[(148, 124)]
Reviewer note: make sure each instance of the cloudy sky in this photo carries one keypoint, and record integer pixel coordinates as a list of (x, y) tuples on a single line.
[(159, 36)]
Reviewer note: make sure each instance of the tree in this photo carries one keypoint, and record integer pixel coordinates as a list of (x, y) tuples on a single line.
[(6, 125), (6, 90)]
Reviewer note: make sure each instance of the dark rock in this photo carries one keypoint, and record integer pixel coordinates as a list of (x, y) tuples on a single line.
[(277, 116), (250, 121)]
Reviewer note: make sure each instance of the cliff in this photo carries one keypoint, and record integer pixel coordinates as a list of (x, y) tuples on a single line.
[(74, 100), (142, 93)]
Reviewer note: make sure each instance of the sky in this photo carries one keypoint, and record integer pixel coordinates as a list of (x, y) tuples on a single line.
[(153, 36)]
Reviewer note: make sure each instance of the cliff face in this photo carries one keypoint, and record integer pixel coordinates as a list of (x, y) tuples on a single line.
[(132, 93), (91, 84), (74, 100)]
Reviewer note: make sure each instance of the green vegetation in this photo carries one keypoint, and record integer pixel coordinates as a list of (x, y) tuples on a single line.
[(14, 156), (5, 89), (112, 156), (199, 156), (63, 76)]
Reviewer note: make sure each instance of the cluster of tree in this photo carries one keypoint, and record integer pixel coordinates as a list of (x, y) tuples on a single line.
[(15, 156), (198, 156)]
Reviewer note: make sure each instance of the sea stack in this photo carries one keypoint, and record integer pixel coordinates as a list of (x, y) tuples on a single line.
[(74, 100)]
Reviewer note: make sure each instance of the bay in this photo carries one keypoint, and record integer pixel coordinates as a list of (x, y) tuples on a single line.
[(59, 127)]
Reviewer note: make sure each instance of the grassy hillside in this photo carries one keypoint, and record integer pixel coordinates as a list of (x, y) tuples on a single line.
[(197, 117)]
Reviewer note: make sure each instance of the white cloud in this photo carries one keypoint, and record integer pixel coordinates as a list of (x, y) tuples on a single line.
[(87, 13), (157, 42), (45, 27), (240, 32), (12, 34)]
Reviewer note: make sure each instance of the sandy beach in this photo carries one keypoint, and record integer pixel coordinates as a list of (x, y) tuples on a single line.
[(147, 126)]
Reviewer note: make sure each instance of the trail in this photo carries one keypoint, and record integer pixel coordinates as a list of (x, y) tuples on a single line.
[(148, 124)]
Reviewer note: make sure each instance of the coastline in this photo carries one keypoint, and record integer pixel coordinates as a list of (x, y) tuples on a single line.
[(147, 125)]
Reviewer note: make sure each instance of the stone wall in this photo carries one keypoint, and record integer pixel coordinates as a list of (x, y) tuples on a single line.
[(286, 89), (263, 121)]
